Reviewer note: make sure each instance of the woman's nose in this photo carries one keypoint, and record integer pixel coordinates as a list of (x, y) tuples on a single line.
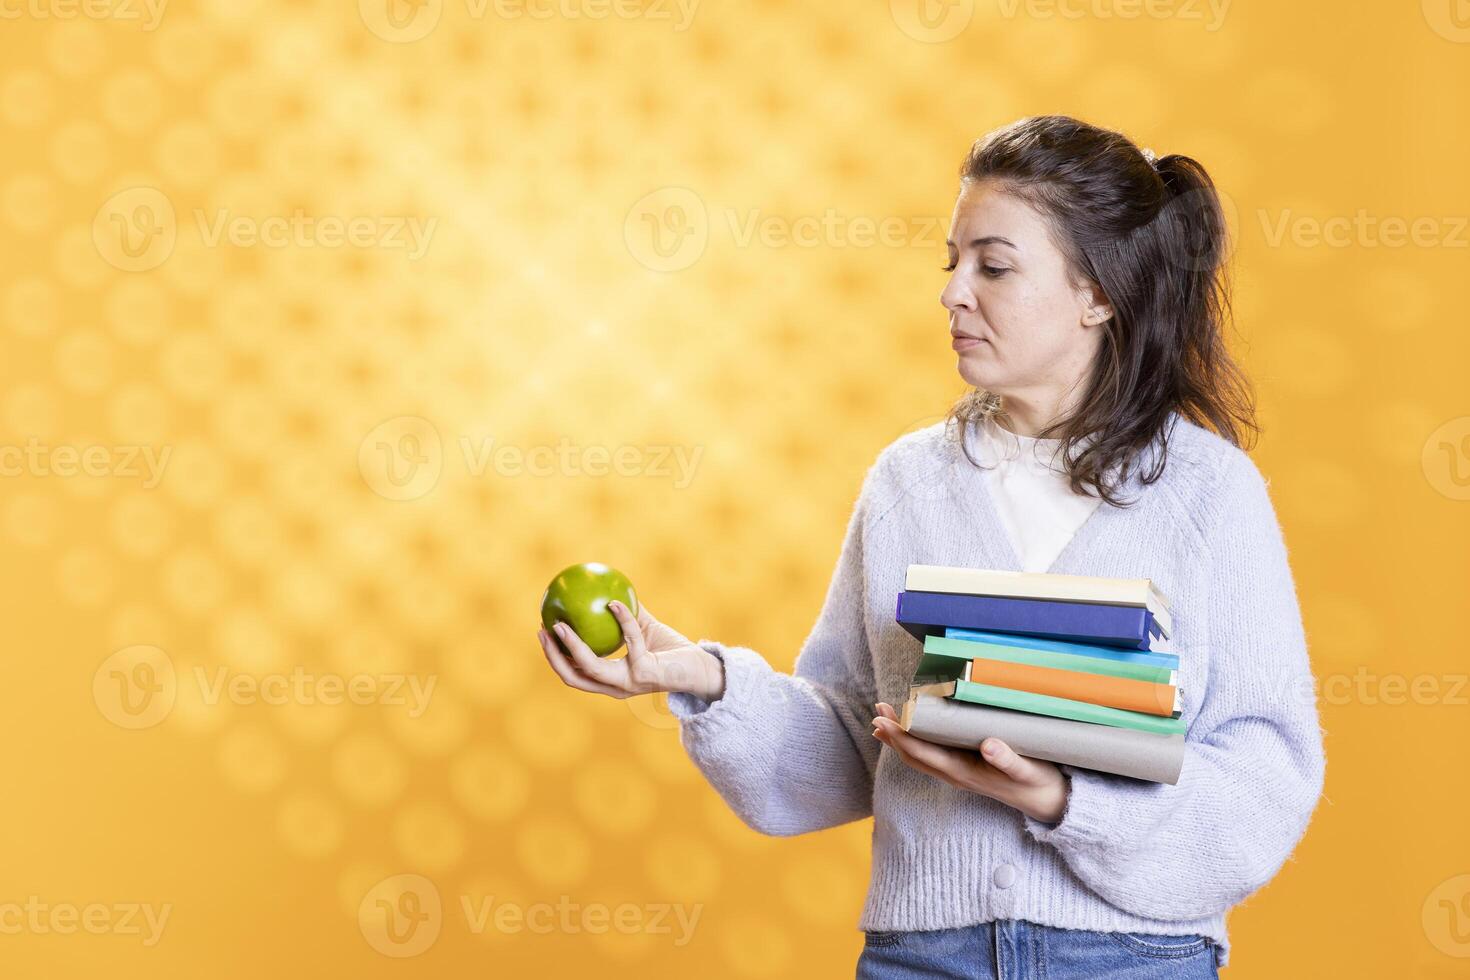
[(955, 297)]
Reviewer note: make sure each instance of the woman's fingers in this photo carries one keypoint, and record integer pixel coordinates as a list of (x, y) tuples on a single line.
[(632, 633), (899, 747), (613, 673), (1008, 761), (939, 757), (569, 674), (959, 767), (642, 670)]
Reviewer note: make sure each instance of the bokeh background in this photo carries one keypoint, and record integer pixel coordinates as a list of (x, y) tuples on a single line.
[(332, 332)]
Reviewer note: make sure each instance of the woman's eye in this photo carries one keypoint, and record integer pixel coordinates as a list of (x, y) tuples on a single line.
[(993, 271)]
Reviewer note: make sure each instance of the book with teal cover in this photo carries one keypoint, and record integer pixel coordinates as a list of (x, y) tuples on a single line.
[(1152, 658), (1043, 704), (971, 649)]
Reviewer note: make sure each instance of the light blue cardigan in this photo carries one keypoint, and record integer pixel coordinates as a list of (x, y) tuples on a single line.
[(793, 753)]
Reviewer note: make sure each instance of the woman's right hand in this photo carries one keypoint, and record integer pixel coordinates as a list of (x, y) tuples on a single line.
[(659, 658)]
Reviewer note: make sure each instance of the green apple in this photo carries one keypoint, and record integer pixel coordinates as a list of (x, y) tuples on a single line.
[(579, 595)]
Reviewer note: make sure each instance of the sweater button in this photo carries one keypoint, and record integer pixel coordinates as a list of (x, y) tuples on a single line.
[(1005, 876)]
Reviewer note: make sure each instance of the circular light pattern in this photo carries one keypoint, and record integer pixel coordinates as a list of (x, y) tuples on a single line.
[(333, 424)]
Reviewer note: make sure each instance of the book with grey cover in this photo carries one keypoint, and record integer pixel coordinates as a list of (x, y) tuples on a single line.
[(932, 714)]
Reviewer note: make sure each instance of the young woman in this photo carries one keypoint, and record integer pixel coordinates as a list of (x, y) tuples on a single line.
[(1087, 305)]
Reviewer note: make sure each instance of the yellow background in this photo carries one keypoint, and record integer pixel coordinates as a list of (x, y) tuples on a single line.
[(284, 379)]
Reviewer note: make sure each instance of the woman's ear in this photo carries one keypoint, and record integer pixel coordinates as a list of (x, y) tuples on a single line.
[(1096, 308)]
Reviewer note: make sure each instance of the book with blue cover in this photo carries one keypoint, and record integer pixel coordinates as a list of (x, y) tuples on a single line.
[(927, 613), (1152, 658)]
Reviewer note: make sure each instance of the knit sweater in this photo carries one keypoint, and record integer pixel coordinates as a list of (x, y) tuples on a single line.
[(794, 753)]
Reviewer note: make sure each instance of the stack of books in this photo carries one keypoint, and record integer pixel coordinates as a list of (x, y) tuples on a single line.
[(1059, 667)]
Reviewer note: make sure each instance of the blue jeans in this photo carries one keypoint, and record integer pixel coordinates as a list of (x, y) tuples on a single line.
[(1017, 950)]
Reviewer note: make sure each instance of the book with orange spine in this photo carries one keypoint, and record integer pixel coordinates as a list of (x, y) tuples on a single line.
[(1112, 692)]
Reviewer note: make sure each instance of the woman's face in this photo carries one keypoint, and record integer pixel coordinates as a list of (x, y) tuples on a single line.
[(1018, 327)]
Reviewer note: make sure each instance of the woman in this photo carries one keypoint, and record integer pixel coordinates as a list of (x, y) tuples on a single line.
[(1087, 304)]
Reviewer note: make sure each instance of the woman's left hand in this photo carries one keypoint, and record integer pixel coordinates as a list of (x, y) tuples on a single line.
[(1035, 787)]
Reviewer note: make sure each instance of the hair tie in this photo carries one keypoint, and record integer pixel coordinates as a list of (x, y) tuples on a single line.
[(1149, 156)]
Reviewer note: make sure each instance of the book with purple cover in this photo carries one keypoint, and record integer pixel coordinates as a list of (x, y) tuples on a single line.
[(926, 613)]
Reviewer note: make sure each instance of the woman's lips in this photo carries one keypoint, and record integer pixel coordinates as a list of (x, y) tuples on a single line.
[(965, 343)]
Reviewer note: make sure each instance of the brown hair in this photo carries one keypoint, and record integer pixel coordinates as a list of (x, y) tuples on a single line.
[(1152, 236)]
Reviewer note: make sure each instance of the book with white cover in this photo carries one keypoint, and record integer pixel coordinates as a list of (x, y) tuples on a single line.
[(1041, 585)]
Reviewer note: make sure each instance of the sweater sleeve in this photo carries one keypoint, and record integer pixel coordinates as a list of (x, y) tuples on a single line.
[(793, 753), (1253, 765)]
